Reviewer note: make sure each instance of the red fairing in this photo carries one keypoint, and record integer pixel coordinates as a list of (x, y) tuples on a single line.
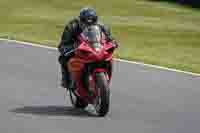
[(87, 53)]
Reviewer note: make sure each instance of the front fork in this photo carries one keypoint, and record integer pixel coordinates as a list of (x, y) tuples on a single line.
[(86, 83), (87, 88)]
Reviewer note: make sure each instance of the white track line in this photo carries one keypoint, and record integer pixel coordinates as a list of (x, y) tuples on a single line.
[(121, 60)]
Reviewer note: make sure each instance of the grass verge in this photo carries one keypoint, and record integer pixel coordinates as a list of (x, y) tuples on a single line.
[(158, 33)]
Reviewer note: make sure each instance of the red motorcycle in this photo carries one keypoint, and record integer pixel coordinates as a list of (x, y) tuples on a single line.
[(91, 70)]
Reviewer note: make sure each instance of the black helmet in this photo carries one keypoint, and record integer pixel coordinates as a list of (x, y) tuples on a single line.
[(88, 16)]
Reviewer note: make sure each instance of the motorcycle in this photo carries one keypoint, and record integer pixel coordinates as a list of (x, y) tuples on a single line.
[(91, 70)]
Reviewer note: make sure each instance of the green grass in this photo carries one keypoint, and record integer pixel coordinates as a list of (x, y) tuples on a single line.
[(158, 33)]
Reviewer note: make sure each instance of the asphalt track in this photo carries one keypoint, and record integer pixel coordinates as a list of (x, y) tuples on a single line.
[(143, 99)]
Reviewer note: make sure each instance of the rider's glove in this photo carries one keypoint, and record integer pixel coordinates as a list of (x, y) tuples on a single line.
[(115, 43), (67, 51)]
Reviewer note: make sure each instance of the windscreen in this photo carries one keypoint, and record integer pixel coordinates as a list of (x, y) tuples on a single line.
[(93, 36)]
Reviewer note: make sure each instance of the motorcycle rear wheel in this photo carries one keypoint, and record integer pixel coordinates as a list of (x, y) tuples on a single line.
[(76, 101)]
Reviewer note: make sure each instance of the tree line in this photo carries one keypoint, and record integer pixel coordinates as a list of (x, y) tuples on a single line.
[(192, 3)]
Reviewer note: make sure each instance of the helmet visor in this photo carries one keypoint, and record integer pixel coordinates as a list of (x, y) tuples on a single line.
[(89, 20)]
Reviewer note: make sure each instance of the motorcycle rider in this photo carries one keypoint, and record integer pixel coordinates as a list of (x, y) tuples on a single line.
[(87, 17)]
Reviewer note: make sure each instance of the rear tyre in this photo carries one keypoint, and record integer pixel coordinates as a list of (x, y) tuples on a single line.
[(76, 101), (103, 99)]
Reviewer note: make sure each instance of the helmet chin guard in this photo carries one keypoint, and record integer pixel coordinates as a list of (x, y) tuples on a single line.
[(88, 16)]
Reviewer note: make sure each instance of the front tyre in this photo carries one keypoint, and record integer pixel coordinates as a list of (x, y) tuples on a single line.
[(103, 98)]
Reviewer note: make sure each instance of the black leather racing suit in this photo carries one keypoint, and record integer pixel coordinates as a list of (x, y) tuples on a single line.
[(71, 31)]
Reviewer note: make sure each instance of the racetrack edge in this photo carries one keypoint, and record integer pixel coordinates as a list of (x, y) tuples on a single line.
[(117, 59)]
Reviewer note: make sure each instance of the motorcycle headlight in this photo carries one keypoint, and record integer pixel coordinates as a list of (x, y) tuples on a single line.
[(110, 51), (84, 53)]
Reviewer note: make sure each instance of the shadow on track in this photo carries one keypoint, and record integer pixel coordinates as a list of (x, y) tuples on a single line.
[(53, 111)]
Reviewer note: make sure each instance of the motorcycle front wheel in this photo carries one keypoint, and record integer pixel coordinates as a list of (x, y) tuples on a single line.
[(103, 98)]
